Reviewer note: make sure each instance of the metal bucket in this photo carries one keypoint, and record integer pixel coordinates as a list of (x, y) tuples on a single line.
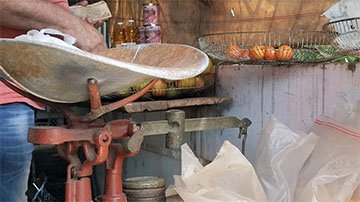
[(146, 188)]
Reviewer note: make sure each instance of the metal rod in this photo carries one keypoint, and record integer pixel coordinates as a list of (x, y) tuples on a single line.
[(94, 114), (195, 124), (176, 120), (94, 94)]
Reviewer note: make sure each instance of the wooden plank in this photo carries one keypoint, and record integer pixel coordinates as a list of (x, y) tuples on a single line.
[(296, 95), (340, 86), (244, 84), (148, 106)]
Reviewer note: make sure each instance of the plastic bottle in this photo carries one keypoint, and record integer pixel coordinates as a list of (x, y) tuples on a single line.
[(131, 33), (119, 35)]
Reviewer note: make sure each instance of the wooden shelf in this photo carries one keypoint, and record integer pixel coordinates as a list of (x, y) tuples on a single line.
[(160, 105)]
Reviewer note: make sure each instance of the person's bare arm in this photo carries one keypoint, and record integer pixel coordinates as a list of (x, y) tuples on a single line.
[(39, 14)]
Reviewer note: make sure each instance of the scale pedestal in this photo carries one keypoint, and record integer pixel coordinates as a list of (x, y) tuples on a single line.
[(113, 141)]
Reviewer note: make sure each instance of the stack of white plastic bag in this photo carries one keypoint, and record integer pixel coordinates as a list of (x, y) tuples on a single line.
[(281, 153), (48, 36), (348, 32), (229, 177), (323, 166)]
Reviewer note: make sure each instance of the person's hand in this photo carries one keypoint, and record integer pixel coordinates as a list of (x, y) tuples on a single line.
[(89, 39), (82, 3), (42, 14), (96, 24)]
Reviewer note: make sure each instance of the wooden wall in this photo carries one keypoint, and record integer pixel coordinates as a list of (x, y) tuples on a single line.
[(182, 21), (296, 95)]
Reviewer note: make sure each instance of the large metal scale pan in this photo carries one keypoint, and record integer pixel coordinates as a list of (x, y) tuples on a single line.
[(59, 74)]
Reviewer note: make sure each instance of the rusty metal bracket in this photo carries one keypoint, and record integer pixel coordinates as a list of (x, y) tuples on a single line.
[(196, 124), (176, 126), (98, 110), (176, 122)]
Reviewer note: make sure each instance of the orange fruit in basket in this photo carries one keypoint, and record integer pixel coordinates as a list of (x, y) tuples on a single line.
[(257, 52), (159, 88), (186, 83), (284, 53), (236, 53), (245, 54), (269, 53)]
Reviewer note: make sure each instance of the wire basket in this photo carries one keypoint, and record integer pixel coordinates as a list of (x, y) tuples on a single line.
[(306, 46), (345, 35)]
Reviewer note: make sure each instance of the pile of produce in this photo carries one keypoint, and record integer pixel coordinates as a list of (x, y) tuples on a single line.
[(282, 53), (269, 47), (268, 53), (167, 89), (315, 53)]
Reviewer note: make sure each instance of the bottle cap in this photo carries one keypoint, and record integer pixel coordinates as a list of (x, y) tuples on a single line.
[(150, 4)]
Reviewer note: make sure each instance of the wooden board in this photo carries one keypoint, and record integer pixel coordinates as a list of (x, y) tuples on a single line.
[(59, 74), (159, 105)]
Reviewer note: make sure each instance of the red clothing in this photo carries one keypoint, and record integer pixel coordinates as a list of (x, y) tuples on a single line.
[(7, 95)]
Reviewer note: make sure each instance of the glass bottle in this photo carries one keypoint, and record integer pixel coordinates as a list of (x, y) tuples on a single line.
[(131, 32), (119, 35)]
